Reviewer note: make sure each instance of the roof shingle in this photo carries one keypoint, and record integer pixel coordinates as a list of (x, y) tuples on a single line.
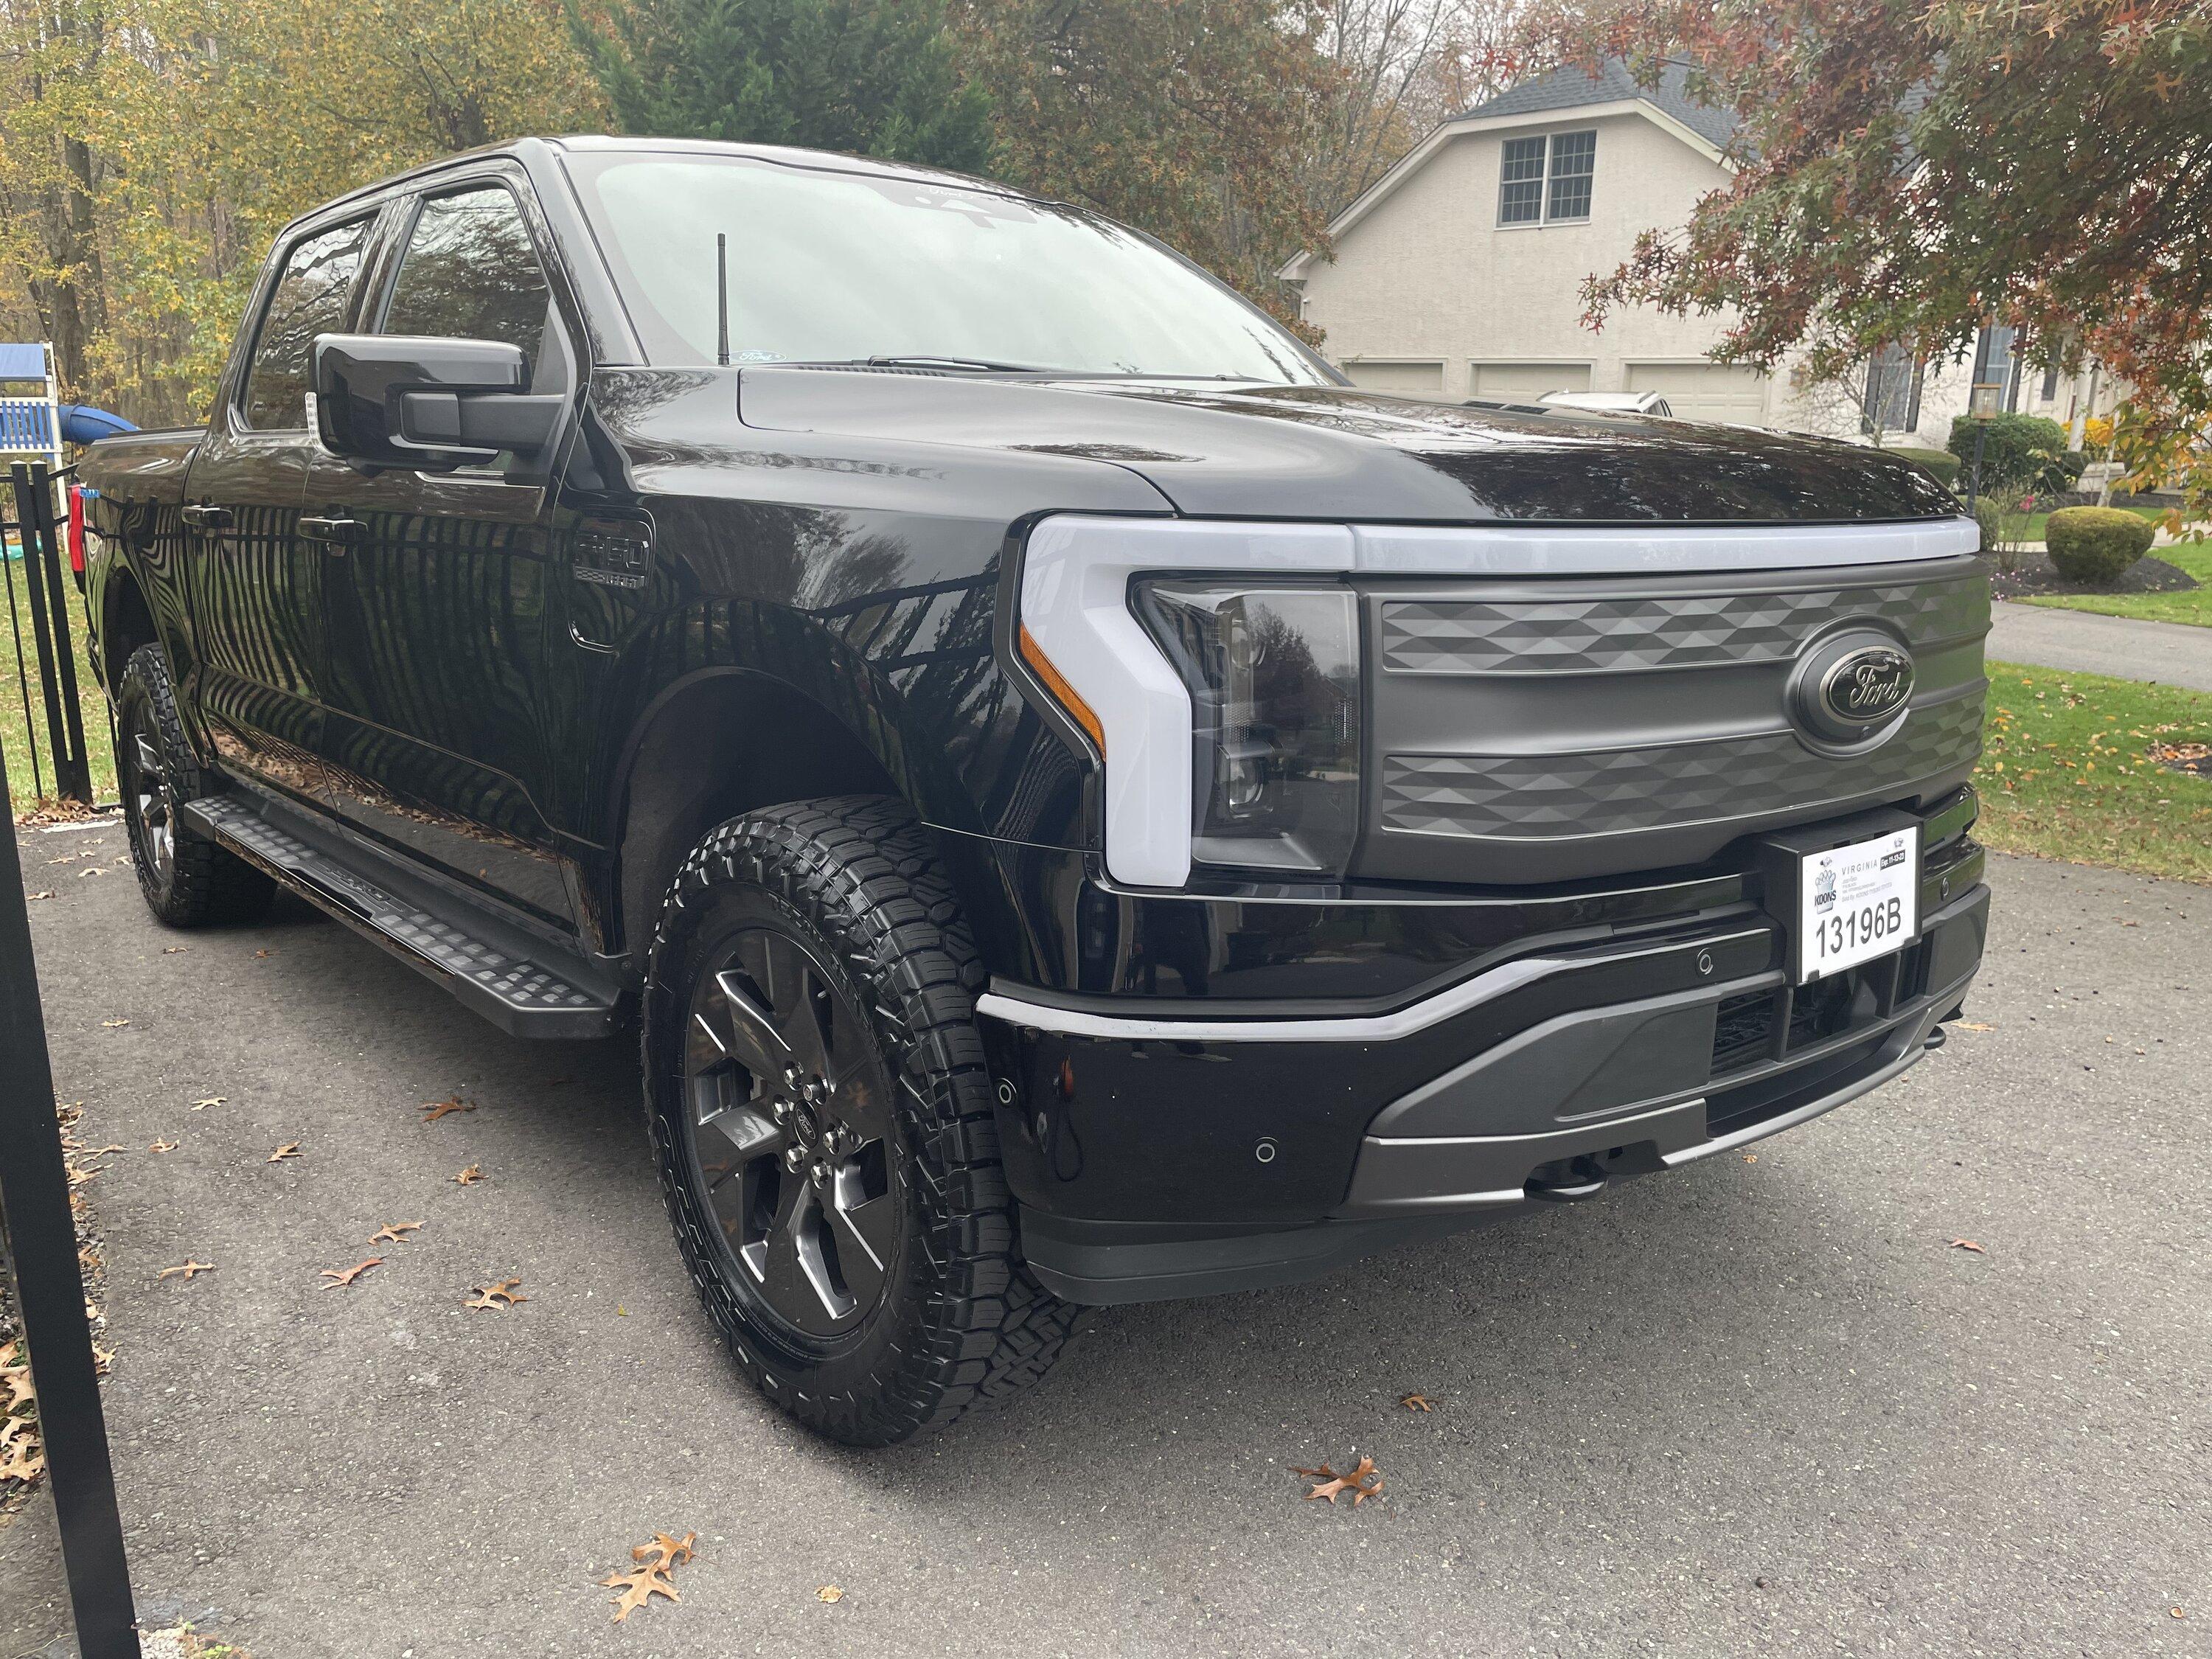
[(1575, 89)]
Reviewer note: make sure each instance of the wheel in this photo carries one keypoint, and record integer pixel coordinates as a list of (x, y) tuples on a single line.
[(822, 1115), (188, 881)]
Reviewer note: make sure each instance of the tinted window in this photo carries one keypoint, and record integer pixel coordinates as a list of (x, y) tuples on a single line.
[(835, 265), (470, 273), (310, 299)]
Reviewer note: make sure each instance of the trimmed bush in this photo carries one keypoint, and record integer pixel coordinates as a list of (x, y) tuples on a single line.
[(1941, 462), (1991, 517), (2026, 453), (2096, 543)]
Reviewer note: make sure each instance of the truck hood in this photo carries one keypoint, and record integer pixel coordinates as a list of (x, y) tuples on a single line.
[(1331, 452)]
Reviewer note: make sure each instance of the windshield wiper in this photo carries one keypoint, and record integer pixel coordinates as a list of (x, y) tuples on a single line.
[(983, 364)]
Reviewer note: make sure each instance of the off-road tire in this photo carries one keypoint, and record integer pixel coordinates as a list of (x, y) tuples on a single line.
[(960, 1319), (206, 885)]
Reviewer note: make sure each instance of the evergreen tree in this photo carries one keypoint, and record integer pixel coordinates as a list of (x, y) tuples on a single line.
[(873, 78)]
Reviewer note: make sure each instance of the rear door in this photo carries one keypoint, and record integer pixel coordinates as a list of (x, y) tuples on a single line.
[(255, 590), (438, 579)]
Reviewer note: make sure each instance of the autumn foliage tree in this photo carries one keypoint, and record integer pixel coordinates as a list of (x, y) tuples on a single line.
[(1908, 168)]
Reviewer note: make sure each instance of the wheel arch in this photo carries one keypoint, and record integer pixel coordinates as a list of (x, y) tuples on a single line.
[(126, 622), (715, 744)]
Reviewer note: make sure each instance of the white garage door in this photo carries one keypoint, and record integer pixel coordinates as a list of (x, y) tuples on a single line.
[(1377, 375), (1704, 392), (1524, 383)]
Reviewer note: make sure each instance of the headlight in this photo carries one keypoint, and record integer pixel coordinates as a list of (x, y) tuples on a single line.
[(1274, 676)]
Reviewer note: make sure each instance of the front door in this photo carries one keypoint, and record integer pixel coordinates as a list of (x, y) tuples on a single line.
[(254, 589), (439, 584)]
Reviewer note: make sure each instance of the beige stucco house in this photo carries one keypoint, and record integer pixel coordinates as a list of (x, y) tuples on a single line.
[(1458, 273)]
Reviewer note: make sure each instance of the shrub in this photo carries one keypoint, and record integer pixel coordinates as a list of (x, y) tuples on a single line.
[(2096, 543), (2019, 453), (1941, 462)]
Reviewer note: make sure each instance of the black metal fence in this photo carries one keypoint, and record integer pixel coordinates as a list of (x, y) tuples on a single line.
[(46, 674)]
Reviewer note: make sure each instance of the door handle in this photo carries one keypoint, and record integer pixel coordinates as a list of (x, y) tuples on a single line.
[(207, 518), (336, 533)]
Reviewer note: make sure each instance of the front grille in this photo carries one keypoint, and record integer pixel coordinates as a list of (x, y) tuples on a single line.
[(1610, 635), (1615, 790), (1541, 731)]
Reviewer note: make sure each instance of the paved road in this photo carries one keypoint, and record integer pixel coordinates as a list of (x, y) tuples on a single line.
[(2171, 654), (1748, 1408)]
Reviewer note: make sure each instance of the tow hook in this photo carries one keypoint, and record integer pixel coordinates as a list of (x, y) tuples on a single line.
[(1566, 1180), (1936, 1039)]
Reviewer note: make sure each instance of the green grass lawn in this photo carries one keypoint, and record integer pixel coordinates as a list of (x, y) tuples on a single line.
[(2065, 772), (15, 735), (2193, 606)]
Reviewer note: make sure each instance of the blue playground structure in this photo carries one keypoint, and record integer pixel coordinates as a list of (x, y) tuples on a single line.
[(34, 422)]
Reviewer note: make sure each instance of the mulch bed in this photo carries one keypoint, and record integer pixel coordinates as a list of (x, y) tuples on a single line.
[(2037, 574), (2192, 759)]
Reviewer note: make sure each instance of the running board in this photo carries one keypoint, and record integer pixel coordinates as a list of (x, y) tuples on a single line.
[(524, 985)]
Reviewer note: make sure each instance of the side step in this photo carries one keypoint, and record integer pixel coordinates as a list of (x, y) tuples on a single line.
[(523, 984)]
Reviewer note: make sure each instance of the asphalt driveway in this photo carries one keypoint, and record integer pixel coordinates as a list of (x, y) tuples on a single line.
[(1754, 1406)]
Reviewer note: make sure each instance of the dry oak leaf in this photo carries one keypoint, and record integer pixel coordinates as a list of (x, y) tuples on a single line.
[(338, 1276), (289, 1149), (1969, 1025), (113, 1024), (639, 1586), (1967, 1244), (1417, 1402), (188, 1269), (174, 950), (25, 1461), (503, 1295), (94, 871), (161, 1146), (831, 1594), (470, 1176), (434, 1109), (212, 1100), (39, 896), (666, 1551), (393, 1233), (1363, 1483)]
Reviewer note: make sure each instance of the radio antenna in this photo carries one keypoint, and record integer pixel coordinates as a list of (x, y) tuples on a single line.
[(722, 299)]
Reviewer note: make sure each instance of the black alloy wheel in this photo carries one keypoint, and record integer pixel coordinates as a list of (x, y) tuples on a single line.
[(789, 1133), (188, 881), (825, 1124)]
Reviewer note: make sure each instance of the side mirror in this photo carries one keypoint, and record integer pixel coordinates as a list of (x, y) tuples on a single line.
[(426, 403)]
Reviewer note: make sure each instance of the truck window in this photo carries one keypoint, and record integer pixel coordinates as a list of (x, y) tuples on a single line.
[(310, 299), (471, 273)]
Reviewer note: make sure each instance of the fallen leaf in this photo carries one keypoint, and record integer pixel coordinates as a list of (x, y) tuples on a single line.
[(102, 1152), (1751, 1157), (188, 1269), (289, 1150), (162, 1147), (1967, 1244), (174, 950), (338, 1276), (503, 1295), (93, 870), (212, 1100), (1417, 1402), (1363, 1483), (113, 1024), (394, 1232), (434, 1109), (263, 956), (666, 1552), (831, 1594), (638, 1586), (39, 896), (1969, 1025), (470, 1176)]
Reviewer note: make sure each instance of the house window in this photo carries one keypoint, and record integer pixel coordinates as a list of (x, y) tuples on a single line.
[(1893, 391), (1996, 363), (1545, 179)]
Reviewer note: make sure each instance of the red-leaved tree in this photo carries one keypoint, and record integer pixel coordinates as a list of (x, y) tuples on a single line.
[(1908, 168)]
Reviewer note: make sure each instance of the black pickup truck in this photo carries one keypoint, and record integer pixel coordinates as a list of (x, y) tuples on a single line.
[(1081, 804)]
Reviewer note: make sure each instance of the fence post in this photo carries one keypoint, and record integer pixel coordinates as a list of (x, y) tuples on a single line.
[(42, 1240), (42, 575)]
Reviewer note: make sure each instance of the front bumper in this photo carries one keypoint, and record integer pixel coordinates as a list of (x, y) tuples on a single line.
[(1163, 1155)]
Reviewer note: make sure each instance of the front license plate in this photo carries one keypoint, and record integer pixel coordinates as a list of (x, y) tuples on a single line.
[(1856, 902)]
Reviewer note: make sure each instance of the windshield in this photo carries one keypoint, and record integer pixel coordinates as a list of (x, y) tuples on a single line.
[(845, 267)]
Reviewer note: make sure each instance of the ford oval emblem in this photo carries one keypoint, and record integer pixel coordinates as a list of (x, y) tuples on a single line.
[(1867, 685)]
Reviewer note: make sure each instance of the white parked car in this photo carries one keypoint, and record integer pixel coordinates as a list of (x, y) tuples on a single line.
[(1613, 402)]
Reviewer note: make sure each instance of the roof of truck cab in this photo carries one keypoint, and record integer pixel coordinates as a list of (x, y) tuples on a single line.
[(600, 144)]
